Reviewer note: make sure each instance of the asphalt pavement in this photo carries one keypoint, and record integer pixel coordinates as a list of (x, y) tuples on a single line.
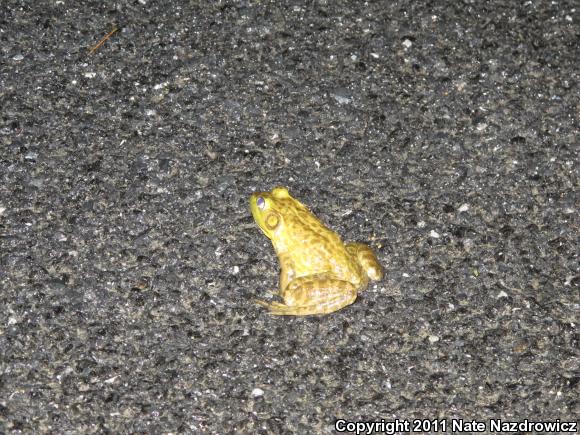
[(445, 135)]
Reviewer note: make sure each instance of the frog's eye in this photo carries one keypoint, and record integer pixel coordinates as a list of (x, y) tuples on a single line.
[(260, 202)]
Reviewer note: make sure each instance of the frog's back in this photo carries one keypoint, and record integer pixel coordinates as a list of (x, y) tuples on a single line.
[(314, 248)]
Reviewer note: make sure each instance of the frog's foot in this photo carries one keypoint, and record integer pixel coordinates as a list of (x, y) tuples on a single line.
[(306, 296), (367, 259), (271, 294), (274, 307)]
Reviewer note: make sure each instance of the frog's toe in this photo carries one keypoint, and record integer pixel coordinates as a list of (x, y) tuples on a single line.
[(274, 307), (279, 309)]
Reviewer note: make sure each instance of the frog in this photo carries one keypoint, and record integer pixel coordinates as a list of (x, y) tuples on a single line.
[(319, 273)]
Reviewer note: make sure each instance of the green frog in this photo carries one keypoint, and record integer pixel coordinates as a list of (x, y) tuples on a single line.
[(319, 273)]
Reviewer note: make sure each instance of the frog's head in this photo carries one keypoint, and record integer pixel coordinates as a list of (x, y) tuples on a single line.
[(269, 210)]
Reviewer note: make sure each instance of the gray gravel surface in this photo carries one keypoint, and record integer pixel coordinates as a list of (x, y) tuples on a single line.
[(445, 135)]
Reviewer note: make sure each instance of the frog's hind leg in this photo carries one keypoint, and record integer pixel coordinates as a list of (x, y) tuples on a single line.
[(271, 293), (329, 306), (276, 307), (367, 259), (311, 295)]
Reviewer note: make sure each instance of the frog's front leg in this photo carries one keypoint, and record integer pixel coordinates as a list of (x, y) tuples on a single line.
[(286, 274), (315, 294)]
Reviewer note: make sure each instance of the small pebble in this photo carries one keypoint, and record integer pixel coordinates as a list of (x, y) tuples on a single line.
[(257, 392)]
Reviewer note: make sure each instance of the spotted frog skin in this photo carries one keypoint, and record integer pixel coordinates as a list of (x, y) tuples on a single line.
[(319, 273)]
